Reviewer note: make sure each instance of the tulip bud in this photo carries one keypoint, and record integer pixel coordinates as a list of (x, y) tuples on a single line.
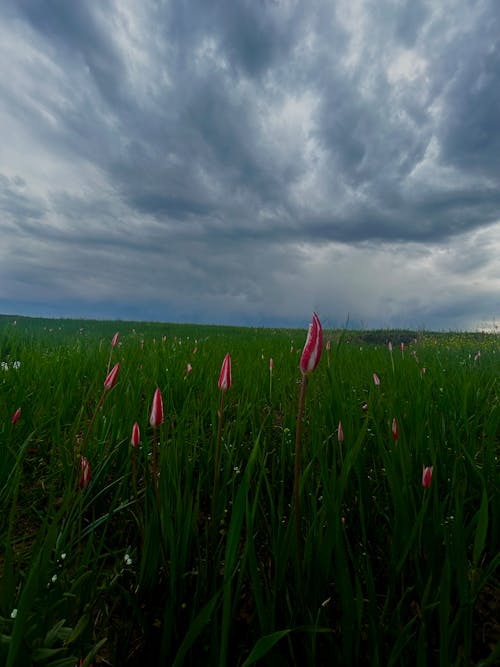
[(189, 368), (395, 434), (426, 476), (15, 417), (114, 341), (225, 374), (340, 433), (156, 417), (313, 347), (376, 380), (110, 381), (271, 365), (86, 474), (136, 435)]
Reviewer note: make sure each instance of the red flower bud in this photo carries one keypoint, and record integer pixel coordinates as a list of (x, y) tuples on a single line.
[(110, 381), (136, 435), (313, 347), (426, 476), (86, 474), (15, 416), (395, 434), (156, 417), (225, 374), (340, 433)]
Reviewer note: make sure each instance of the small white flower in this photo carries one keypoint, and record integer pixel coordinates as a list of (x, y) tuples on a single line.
[(16, 364), (13, 613), (127, 559), (54, 578), (63, 556)]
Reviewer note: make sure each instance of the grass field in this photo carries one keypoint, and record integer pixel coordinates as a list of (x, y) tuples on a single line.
[(140, 564)]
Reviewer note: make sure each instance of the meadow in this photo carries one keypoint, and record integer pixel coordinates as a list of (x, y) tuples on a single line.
[(184, 547)]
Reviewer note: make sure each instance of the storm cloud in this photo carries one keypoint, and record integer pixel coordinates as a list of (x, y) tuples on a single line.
[(245, 161)]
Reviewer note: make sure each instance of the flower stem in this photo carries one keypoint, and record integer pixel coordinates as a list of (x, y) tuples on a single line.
[(296, 477), (155, 471), (217, 454), (91, 425)]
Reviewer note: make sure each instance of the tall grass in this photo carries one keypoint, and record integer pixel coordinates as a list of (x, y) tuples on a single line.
[(391, 573)]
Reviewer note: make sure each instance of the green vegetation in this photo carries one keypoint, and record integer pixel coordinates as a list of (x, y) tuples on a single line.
[(124, 571)]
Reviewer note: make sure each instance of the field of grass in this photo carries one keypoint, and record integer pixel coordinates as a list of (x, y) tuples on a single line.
[(142, 565)]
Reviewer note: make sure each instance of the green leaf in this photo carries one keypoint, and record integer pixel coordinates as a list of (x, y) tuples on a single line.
[(43, 654), (264, 645), (199, 622), (7, 582), (481, 530), (58, 632), (83, 621)]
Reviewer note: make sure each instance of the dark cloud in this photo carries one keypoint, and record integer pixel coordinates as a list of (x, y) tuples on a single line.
[(229, 159), (470, 129)]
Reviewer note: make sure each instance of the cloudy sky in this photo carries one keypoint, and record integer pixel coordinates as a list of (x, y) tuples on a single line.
[(250, 161)]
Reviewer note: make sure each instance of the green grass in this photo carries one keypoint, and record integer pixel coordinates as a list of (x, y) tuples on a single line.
[(389, 573)]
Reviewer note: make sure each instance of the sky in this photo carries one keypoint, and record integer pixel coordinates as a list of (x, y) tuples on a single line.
[(249, 162)]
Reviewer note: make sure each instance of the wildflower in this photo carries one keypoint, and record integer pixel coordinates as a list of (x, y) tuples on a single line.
[(110, 381), (328, 344), (309, 360), (311, 353), (376, 380), (4, 366), (225, 374), (86, 474), (136, 435), (271, 365), (156, 416), (13, 613), (395, 434), (340, 433), (15, 417), (114, 341), (127, 559), (189, 368), (389, 347), (426, 476)]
